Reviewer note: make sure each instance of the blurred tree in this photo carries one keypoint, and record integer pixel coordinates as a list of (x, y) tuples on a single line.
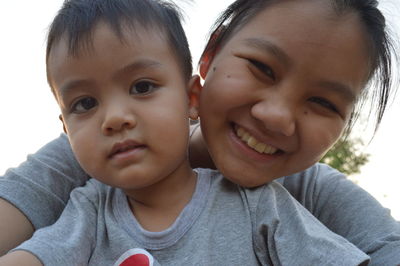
[(346, 156)]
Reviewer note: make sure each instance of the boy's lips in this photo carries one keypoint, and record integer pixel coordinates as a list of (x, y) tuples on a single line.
[(125, 146)]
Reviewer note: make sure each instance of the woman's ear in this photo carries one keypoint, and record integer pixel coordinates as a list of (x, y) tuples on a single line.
[(62, 121), (195, 88), (205, 63), (210, 52)]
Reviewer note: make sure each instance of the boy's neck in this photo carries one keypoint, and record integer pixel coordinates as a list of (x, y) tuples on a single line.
[(157, 207)]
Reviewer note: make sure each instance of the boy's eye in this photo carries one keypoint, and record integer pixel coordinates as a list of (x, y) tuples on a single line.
[(83, 105), (324, 103), (142, 88), (263, 68)]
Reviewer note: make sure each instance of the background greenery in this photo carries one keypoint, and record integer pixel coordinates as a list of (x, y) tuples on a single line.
[(347, 156)]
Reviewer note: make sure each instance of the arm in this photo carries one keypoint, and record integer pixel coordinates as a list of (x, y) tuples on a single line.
[(349, 211), (20, 258), (289, 234), (68, 241), (35, 193), (14, 227)]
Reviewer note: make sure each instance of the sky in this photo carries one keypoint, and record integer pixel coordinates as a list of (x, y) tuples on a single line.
[(29, 114)]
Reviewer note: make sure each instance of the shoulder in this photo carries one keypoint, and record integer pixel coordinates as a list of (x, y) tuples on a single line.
[(93, 191), (318, 172), (58, 145), (318, 181), (57, 156)]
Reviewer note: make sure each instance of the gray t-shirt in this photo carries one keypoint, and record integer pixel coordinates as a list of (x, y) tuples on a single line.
[(41, 186), (224, 224)]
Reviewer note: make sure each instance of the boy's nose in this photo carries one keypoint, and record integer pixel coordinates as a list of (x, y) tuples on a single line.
[(276, 115), (117, 119)]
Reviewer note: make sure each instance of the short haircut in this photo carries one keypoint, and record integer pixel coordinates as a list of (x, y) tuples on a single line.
[(77, 19)]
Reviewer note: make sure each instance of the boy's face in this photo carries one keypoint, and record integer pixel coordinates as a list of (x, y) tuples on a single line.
[(124, 106)]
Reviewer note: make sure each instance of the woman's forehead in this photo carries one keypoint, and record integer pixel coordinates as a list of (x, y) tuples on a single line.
[(307, 23)]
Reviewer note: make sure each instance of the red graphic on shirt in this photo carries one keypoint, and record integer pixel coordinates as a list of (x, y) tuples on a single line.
[(136, 260), (135, 257)]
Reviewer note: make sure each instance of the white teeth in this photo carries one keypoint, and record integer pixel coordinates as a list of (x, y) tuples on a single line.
[(254, 143), (240, 132), (245, 136), (260, 147)]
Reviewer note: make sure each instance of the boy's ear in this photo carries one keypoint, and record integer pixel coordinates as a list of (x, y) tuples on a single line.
[(62, 121), (194, 97)]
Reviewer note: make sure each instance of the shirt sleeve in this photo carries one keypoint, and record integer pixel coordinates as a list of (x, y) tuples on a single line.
[(71, 240), (40, 186), (289, 234), (348, 210)]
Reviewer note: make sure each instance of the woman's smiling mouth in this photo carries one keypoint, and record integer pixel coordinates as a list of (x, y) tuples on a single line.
[(253, 143)]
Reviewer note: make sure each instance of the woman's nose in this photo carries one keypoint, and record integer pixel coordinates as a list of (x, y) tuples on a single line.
[(276, 114), (118, 118)]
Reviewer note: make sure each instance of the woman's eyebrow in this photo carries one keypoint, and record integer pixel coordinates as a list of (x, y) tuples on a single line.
[(269, 48), (341, 89)]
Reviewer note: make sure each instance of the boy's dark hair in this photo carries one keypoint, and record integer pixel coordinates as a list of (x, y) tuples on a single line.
[(241, 12), (77, 19)]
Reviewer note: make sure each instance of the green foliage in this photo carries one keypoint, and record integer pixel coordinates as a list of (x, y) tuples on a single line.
[(346, 156)]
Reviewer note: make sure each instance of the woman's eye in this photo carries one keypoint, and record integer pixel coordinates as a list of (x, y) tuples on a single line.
[(324, 103), (143, 88), (83, 105), (263, 68)]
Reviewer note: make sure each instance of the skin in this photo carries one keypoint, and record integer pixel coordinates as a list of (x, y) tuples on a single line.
[(19, 258), (289, 78), (14, 227)]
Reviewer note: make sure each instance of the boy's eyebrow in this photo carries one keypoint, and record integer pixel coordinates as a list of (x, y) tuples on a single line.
[(268, 47), (139, 64), (70, 85)]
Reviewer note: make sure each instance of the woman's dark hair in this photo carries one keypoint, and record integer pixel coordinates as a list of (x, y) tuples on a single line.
[(241, 12), (77, 19)]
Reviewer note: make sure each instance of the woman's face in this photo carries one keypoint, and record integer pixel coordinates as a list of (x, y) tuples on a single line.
[(279, 93)]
